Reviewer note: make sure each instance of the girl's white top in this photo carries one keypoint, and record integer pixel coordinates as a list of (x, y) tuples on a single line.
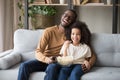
[(77, 53)]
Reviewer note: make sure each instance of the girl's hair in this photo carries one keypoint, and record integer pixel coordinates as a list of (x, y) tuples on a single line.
[(85, 32)]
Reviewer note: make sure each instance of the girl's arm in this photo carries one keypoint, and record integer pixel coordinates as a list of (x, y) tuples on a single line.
[(66, 44)]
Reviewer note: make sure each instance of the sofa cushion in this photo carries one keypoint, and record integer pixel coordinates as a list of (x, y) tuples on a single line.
[(26, 40), (37, 76), (5, 53), (9, 60), (102, 73), (107, 48), (28, 55)]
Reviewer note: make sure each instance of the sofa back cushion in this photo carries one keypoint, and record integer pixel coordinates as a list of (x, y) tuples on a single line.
[(107, 49), (26, 40)]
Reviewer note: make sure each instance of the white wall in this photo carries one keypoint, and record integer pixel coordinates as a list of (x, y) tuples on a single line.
[(98, 19)]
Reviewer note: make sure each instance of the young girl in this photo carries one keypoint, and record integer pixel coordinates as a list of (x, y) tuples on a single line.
[(76, 53)]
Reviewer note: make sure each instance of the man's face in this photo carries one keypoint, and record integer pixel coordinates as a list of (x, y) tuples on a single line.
[(67, 18)]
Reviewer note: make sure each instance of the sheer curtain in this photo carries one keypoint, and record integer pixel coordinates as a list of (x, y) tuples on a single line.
[(8, 23)]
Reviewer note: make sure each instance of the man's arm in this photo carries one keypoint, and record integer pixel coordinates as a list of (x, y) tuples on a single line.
[(39, 53), (92, 59), (39, 56), (90, 62)]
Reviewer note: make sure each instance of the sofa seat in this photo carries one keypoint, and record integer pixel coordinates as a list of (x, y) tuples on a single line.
[(9, 74), (13, 71), (96, 73), (102, 73)]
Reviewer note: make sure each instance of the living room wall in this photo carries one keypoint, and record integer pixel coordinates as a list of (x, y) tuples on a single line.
[(98, 18)]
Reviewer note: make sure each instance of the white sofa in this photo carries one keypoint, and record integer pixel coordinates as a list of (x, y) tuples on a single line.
[(106, 46)]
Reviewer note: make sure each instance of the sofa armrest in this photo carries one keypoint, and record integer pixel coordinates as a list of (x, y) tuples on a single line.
[(9, 59), (5, 53)]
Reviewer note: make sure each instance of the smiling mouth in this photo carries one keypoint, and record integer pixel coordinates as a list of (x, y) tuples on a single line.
[(65, 21)]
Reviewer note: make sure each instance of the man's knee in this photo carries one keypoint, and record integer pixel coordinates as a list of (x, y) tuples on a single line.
[(51, 66), (24, 65)]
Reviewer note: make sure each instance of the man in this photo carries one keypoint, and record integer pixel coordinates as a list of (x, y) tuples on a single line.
[(49, 45)]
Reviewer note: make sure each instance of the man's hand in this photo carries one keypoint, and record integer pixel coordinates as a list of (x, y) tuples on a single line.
[(54, 58), (49, 60), (86, 66)]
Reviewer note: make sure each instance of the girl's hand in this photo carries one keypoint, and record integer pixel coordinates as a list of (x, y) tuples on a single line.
[(66, 43)]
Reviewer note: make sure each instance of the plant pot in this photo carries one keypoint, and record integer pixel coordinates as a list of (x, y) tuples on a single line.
[(39, 21)]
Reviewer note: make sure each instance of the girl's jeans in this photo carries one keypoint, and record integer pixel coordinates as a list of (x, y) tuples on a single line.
[(55, 71)]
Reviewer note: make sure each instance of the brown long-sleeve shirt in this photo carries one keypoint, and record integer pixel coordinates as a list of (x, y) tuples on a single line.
[(50, 43)]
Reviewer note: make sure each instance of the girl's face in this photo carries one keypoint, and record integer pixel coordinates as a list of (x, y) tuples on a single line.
[(75, 36)]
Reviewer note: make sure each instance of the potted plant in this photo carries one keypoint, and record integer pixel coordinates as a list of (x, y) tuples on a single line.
[(41, 16), (20, 14)]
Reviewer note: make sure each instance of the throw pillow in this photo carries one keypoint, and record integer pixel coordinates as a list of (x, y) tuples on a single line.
[(9, 60)]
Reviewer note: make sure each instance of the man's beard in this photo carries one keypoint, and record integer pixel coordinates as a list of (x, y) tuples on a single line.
[(65, 27)]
